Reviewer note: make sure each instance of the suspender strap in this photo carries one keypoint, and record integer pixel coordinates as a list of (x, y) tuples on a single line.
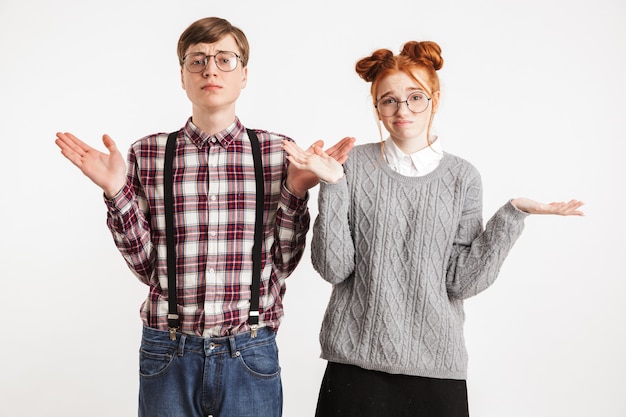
[(173, 321), (253, 319)]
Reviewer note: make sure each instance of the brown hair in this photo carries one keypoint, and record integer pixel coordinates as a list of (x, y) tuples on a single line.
[(210, 30), (424, 55)]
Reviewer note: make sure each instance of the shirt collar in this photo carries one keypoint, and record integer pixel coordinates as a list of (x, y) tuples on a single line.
[(420, 160), (225, 138)]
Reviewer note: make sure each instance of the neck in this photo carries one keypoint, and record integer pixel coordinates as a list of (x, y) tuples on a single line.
[(212, 121), (410, 146)]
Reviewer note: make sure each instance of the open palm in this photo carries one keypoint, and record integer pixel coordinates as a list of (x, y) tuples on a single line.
[(316, 161), (562, 208), (108, 171)]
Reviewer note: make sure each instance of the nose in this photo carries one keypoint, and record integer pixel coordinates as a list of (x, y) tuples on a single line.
[(211, 67), (401, 108)]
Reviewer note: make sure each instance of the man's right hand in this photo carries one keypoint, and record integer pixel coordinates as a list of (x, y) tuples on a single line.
[(108, 171)]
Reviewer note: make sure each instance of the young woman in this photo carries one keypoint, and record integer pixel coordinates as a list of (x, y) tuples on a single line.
[(400, 236)]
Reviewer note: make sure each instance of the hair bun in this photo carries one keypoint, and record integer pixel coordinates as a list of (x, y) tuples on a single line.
[(424, 51), (368, 68)]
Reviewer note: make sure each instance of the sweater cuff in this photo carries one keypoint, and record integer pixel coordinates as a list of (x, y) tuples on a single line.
[(333, 187), (514, 212)]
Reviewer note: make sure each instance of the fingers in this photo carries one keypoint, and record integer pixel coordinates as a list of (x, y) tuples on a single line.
[(109, 143), (73, 143), (569, 208), (341, 149), (295, 155), (291, 148), (572, 207), (71, 147), (317, 144), (342, 145)]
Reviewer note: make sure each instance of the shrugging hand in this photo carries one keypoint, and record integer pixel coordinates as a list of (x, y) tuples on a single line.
[(561, 208), (306, 168), (108, 171)]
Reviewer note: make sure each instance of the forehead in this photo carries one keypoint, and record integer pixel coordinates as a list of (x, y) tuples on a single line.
[(227, 43), (399, 82)]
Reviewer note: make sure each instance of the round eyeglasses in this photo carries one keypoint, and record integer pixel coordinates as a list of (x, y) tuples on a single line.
[(417, 102), (224, 60)]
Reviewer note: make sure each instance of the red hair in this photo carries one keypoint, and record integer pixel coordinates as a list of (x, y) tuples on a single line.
[(424, 56)]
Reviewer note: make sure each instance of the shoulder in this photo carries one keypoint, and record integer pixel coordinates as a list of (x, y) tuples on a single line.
[(367, 151), (266, 135), (150, 144), (368, 148), (459, 166), (364, 157)]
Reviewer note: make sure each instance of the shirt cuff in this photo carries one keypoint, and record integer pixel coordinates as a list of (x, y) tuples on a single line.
[(293, 204), (121, 202)]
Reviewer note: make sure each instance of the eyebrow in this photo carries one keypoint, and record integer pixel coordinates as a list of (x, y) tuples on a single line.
[(388, 93), (216, 52)]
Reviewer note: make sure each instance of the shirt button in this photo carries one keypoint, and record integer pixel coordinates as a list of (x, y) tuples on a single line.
[(213, 198), (212, 233)]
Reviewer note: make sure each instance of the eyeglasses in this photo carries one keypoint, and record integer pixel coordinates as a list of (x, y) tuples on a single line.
[(417, 102), (224, 60)]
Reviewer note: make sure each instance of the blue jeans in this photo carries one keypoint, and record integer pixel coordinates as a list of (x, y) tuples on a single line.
[(233, 376)]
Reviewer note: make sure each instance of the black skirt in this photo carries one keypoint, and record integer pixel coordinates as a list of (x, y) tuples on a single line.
[(350, 391)]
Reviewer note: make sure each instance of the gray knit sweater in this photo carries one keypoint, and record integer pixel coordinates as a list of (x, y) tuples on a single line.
[(402, 253)]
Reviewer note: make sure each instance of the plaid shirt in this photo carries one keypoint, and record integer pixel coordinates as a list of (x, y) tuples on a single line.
[(214, 200)]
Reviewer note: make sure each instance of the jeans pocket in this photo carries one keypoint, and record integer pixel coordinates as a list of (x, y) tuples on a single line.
[(155, 359), (261, 360)]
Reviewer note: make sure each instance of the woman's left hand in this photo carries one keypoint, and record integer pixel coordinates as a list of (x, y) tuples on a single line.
[(570, 208)]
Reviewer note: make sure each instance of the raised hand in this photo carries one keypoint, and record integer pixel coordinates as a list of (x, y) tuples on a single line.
[(306, 168), (108, 171), (340, 150), (570, 208)]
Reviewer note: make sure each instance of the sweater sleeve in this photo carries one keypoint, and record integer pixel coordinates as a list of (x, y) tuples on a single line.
[(332, 247), (477, 253)]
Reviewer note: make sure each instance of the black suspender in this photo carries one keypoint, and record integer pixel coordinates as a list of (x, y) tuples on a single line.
[(253, 318), (173, 321)]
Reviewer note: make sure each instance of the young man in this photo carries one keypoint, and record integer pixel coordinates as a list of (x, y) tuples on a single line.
[(216, 360)]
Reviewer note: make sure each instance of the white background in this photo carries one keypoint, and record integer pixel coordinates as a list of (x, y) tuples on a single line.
[(533, 94)]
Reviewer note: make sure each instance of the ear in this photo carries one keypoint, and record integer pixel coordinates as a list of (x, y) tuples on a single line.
[(244, 77), (182, 78)]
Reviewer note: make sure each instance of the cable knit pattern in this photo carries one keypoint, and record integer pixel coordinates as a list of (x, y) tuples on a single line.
[(402, 253)]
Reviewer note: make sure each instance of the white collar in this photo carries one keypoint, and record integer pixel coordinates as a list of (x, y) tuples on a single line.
[(416, 164)]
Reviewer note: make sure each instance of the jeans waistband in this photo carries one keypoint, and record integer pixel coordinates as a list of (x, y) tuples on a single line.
[(209, 345)]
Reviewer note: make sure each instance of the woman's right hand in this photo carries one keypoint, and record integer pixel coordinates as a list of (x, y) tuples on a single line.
[(108, 171), (317, 161)]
